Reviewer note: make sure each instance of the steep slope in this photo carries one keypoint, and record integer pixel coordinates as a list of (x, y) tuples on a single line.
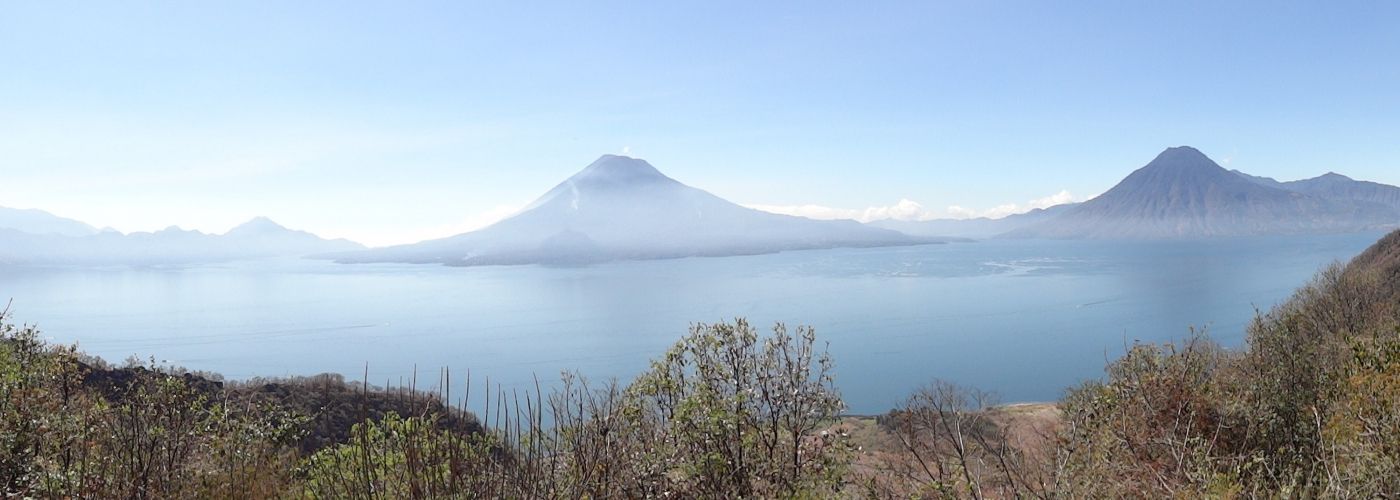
[(1261, 180), (41, 222), (1383, 258), (623, 208), (1183, 194)]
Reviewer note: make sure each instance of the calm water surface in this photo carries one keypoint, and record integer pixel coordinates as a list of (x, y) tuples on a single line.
[(1023, 318)]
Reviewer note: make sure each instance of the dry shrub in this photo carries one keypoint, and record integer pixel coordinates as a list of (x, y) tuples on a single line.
[(154, 435), (1308, 409), (724, 414), (955, 441), (1157, 426)]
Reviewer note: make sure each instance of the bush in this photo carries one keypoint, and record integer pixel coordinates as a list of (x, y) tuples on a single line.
[(150, 435), (1160, 425), (723, 414), (1360, 442), (397, 457), (1311, 407), (40, 406), (956, 441)]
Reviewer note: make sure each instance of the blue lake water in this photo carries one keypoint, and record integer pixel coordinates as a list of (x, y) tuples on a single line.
[(1025, 319)]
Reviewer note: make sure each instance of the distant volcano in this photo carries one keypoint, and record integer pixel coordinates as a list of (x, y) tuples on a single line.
[(623, 208), (1183, 194)]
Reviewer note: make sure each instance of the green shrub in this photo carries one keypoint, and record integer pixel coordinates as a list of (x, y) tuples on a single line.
[(398, 457), (1361, 436), (732, 416), (146, 434)]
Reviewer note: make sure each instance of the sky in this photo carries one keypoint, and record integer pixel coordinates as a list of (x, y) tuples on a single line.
[(393, 122)]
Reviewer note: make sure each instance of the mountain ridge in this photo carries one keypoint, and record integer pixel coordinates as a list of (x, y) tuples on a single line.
[(1182, 193), (256, 239), (36, 221), (979, 227), (622, 208)]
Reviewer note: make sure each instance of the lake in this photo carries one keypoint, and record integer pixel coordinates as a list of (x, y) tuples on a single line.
[(1025, 319)]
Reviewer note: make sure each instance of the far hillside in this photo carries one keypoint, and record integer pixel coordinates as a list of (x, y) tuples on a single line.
[(1183, 194)]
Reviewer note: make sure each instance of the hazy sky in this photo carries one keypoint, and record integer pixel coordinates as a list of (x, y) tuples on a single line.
[(391, 122)]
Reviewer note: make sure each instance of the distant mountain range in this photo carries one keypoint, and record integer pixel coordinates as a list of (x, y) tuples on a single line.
[(1335, 185), (1183, 194), (47, 239), (623, 208), (41, 222), (977, 228)]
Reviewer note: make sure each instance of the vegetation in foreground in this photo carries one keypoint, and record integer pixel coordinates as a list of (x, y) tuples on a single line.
[(1310, 408)]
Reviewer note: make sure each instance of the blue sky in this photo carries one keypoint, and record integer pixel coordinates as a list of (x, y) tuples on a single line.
[(390, 122)]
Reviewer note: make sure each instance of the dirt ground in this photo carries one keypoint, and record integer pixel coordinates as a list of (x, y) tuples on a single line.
[(880, 455)]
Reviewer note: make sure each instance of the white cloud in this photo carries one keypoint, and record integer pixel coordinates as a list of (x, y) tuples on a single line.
[(387, 236), (483, 219), (1004, 210), (910, 210), (957, 212), (809, 211), (904, 209)]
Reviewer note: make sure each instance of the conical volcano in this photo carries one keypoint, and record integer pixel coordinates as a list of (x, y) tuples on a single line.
[(622, 208), (1184, 194)]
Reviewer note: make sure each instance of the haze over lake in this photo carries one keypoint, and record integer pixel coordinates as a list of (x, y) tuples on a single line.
[(1024, 318)]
